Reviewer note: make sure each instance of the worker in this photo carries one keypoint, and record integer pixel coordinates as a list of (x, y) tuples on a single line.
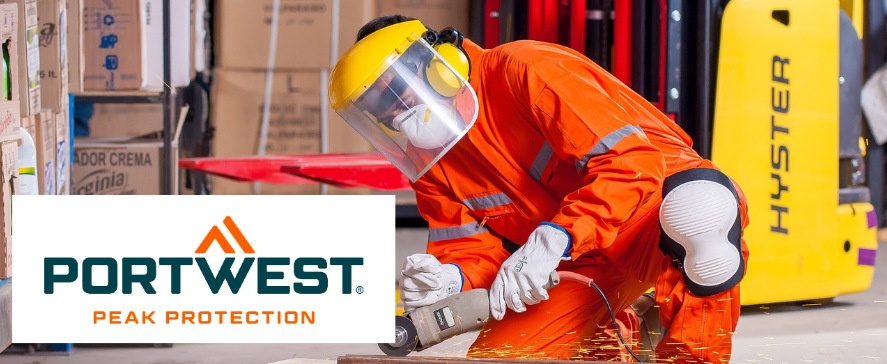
[(529, 157)]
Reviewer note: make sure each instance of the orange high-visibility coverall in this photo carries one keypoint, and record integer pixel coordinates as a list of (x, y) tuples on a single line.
[(559, 139)]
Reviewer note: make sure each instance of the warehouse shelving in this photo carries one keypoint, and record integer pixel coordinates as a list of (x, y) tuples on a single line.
[(120, 97), (166, 97)]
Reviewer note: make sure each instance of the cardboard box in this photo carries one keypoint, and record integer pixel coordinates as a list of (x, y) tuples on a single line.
[(62, 155), (341, 137), (435, 14), (294, 123), (113, 44), (53, 20), (352, 17), (9, 166), (29, 124), (10, 110), (10, 121), (75, 45), (44, 136), (28, 55), (41, 127), (244, 32), (180, 42), (129, 120), (117, 166)]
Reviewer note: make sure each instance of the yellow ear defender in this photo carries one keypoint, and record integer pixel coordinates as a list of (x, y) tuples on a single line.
[(447, 43)]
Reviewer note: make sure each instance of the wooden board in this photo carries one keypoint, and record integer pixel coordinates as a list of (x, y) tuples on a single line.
[(379, 359)]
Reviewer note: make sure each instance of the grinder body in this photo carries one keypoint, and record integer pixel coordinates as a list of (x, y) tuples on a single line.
[(427, 326), (451, 316)]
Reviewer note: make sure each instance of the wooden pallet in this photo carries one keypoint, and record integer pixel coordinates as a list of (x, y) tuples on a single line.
[(380, 359)]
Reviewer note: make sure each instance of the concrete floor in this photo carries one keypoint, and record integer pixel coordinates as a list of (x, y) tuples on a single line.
[(853, 329)]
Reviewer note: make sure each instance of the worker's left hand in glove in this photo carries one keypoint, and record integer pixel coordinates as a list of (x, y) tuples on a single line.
[(522, 276), (424, 280)]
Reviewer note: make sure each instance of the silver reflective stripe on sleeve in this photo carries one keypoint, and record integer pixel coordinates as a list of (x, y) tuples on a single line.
[(485, 202), (455, 232), (607, 143), (541, 160)]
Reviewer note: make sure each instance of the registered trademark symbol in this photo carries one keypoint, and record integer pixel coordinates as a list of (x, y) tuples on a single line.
[(359, 289)]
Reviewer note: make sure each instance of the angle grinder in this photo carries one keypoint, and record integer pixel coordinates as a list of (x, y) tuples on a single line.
[(427, 326)]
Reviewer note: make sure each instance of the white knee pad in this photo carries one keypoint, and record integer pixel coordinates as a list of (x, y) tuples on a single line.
[(700, 216)]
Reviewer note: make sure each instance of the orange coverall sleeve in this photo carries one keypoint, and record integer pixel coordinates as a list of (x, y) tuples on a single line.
[(455, 236), (576, 106)]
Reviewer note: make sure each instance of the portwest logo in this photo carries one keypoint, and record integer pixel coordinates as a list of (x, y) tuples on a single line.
[(178, 269), (308, 273)]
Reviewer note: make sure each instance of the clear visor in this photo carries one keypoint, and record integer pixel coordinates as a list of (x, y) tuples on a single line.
[(408, 120)]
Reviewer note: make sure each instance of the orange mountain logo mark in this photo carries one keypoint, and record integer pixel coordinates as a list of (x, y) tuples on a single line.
[(216, 235)]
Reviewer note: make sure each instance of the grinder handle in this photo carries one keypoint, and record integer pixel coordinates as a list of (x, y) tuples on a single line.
[(553, 280)]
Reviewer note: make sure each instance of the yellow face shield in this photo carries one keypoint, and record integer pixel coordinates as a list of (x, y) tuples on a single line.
[(413, 108)]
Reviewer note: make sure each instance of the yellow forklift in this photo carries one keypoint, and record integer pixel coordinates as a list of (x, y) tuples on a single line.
[(770, 91), (788, 127)]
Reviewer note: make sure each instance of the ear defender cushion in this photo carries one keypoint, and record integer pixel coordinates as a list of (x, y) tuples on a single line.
[(440, 77)]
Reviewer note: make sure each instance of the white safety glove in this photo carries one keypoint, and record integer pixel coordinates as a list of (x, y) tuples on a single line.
[(424, 280), (520, 280)]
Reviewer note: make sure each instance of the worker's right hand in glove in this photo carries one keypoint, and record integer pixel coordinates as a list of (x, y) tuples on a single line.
[(522, 277), (424, 281)]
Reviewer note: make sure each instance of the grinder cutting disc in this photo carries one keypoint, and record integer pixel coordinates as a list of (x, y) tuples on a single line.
[(405, 338)]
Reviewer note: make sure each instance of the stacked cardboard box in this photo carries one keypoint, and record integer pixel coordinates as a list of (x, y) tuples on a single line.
[(41, 127), (52, 17), (118, 44), (298, 74), (118, 160), (29, 56), (10, 122), (118, 166), (435, 14), (126, 120), (54, 174), (299, 109), (45, 137), (74, 44), (121, 45)]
